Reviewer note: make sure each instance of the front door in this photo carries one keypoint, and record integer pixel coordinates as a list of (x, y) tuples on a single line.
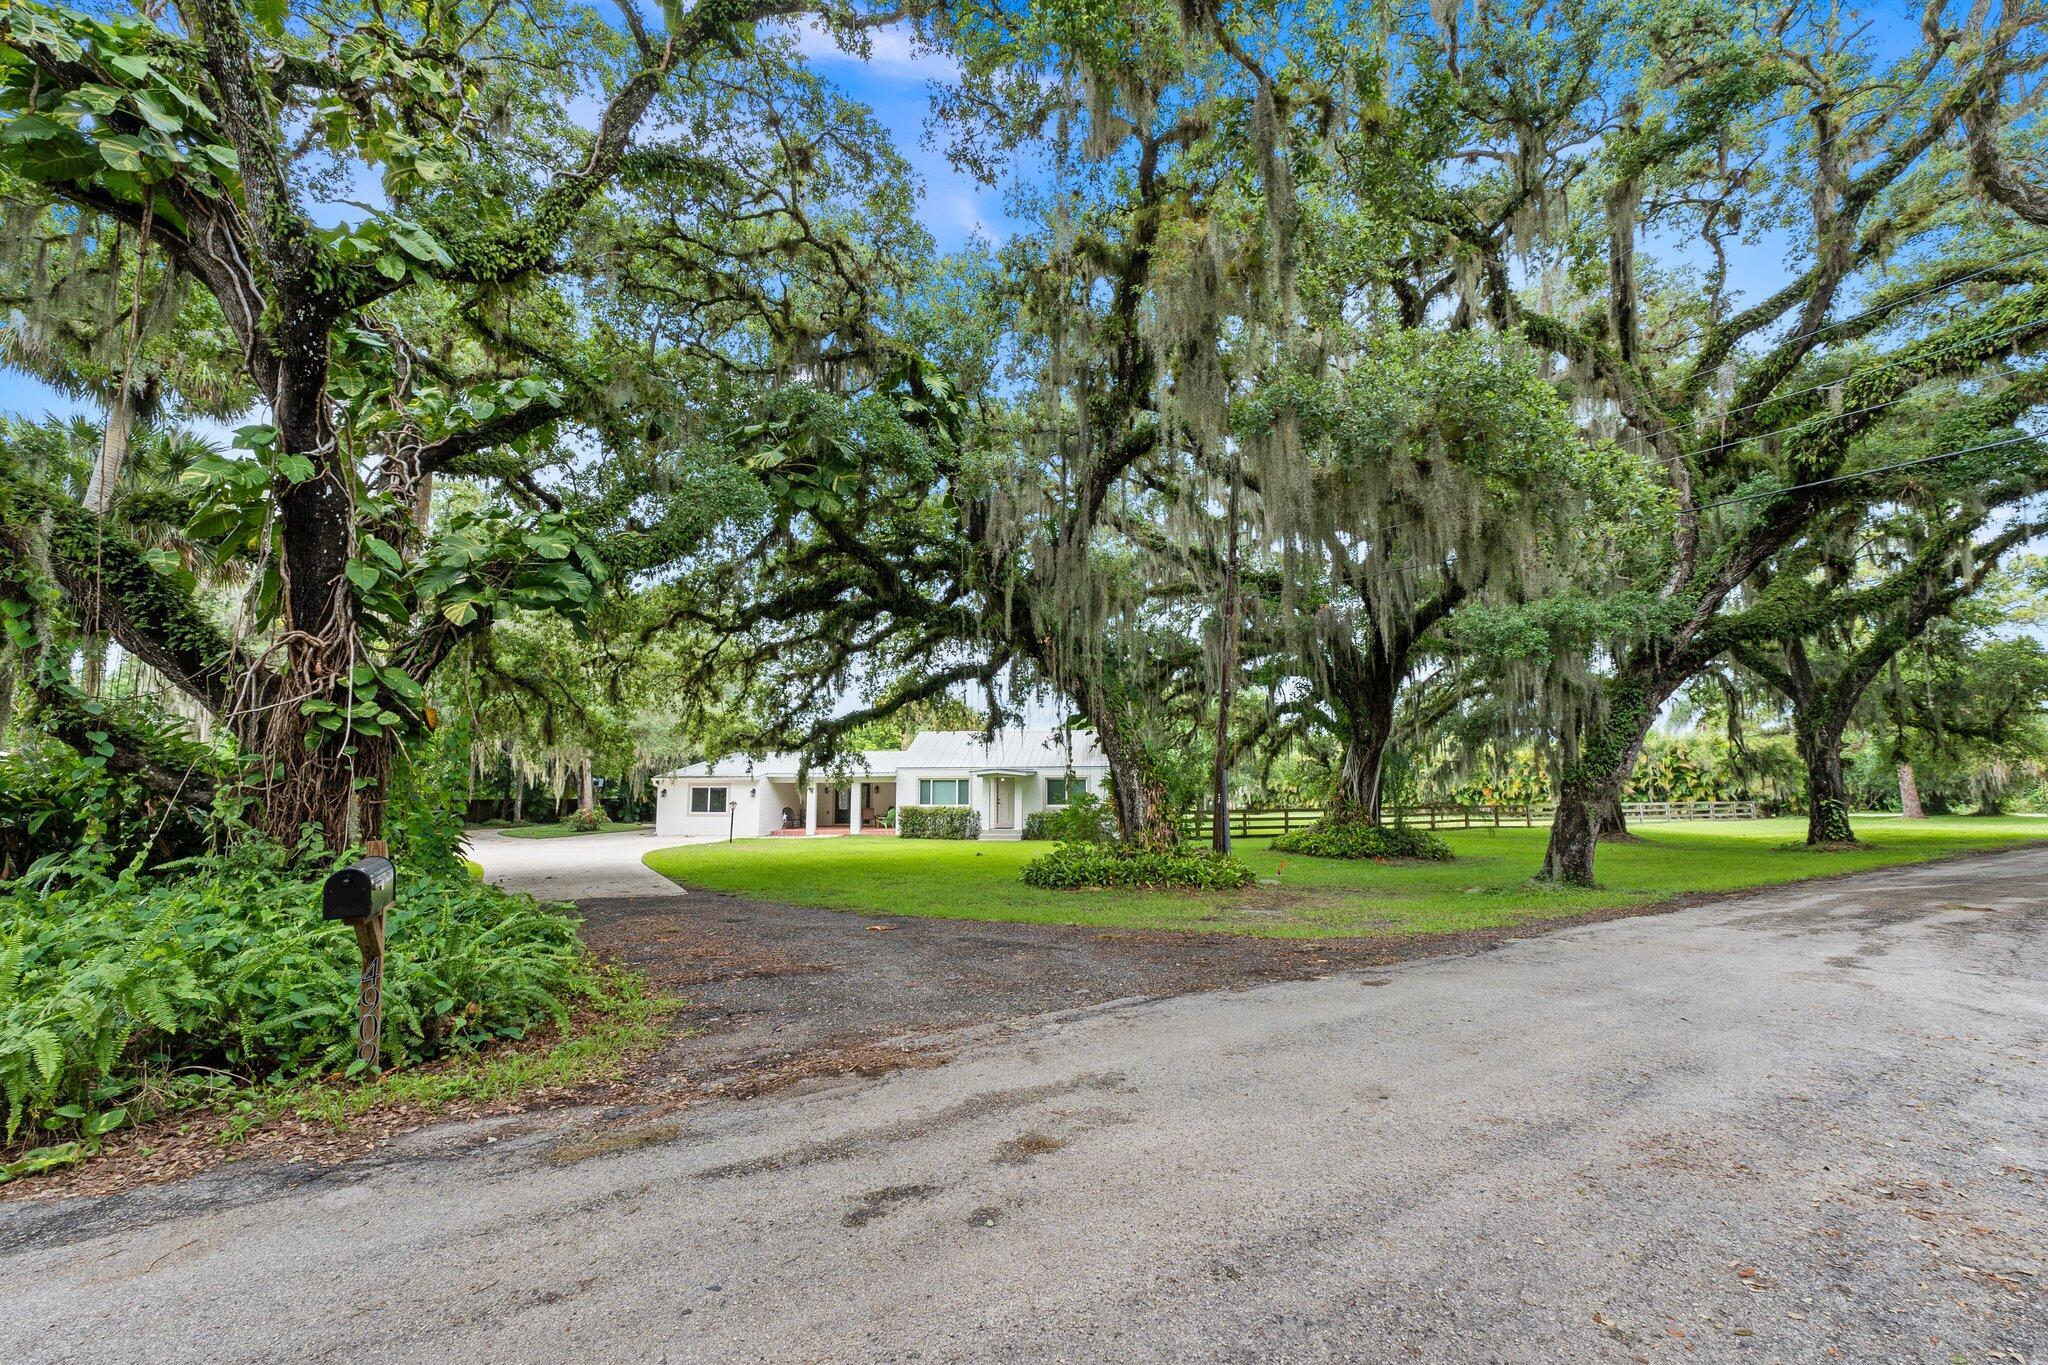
[(842, 806), (1005, 797)]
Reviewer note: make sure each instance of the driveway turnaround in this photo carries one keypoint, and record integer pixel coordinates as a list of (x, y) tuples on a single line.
[(574, 867), (1809, 1124)]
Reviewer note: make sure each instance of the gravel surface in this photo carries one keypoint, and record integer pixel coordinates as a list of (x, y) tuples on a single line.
[(1801, 1125), (778, 992)]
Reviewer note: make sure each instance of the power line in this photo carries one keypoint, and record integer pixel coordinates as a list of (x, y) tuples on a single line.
[(1901, 302), (1878, 368), (1849, 412), (1862, 473)]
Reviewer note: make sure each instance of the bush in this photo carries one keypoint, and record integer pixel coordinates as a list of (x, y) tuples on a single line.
[(1073, 867), (58, 803), (1084, 820), (1354, 839), (938, 822), (112, 986)]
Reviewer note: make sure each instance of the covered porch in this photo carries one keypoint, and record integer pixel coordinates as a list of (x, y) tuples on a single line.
[(832, 808)]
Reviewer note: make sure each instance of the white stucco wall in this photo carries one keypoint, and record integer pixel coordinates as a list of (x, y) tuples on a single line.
[(756, 802), (674, 820)]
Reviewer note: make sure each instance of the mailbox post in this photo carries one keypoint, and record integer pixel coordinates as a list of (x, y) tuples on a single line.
[(358, 895)]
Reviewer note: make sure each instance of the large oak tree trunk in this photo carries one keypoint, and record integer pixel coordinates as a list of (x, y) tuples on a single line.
[(1596, 777), (1361, 685), (333, 780), (1568, 857), (1144, 811), (1827, 790), (1358, 774), (1226, 667)]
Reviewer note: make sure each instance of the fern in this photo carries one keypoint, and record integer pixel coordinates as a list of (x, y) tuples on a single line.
[(228, 967)]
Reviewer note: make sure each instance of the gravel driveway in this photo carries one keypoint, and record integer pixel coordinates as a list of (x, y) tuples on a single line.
[(1801, 1125)]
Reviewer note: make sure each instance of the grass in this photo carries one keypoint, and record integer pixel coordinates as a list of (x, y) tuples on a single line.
[(1300, 897), (568, 831)]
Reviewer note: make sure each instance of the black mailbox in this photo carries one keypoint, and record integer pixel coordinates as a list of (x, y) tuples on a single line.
[(359, 891)]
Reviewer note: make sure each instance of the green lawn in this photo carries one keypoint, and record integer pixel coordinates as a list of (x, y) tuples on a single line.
[(568, 831), (1299, 897)]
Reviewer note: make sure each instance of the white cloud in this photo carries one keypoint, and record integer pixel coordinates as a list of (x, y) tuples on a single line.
[(893, 53)]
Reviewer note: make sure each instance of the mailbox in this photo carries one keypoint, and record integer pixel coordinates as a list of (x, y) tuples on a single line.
[(360, 891)]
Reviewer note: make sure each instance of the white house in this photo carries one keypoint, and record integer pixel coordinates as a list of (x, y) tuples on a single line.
[(1005, 780)]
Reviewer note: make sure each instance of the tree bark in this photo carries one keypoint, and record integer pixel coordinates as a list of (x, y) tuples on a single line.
[(1144, 814), (1358, 773), (587, 800), (1361, 681), (1568, 857), (116, 435), (1827, 790), (1909, 794), (1613, 822), (1598, 775)]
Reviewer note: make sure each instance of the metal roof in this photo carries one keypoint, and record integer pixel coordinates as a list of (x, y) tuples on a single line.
[(872, 763), (1011, 749), (1014, 751)]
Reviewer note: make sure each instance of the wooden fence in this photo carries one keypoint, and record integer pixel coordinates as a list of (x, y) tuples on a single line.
[(1252, 823)]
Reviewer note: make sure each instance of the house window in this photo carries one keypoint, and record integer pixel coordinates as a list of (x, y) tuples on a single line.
[(1060, 790), (942, 791), (707, 800)]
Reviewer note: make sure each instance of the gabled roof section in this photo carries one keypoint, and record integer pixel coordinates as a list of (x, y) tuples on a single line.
[(1011, 749)]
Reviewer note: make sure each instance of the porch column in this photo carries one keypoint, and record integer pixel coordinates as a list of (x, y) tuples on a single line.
[(859, 789), (811, 809)]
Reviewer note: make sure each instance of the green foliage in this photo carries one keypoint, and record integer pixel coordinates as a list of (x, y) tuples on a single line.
[(1082, 867), (58, 804), (1083, 820), (1691, 767), (423, 822), (110, 985), (938, 822), (619, 1020), (1356, 839)]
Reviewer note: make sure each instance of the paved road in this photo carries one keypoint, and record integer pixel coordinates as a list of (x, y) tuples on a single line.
[(575, 867), (1799, 1126)]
